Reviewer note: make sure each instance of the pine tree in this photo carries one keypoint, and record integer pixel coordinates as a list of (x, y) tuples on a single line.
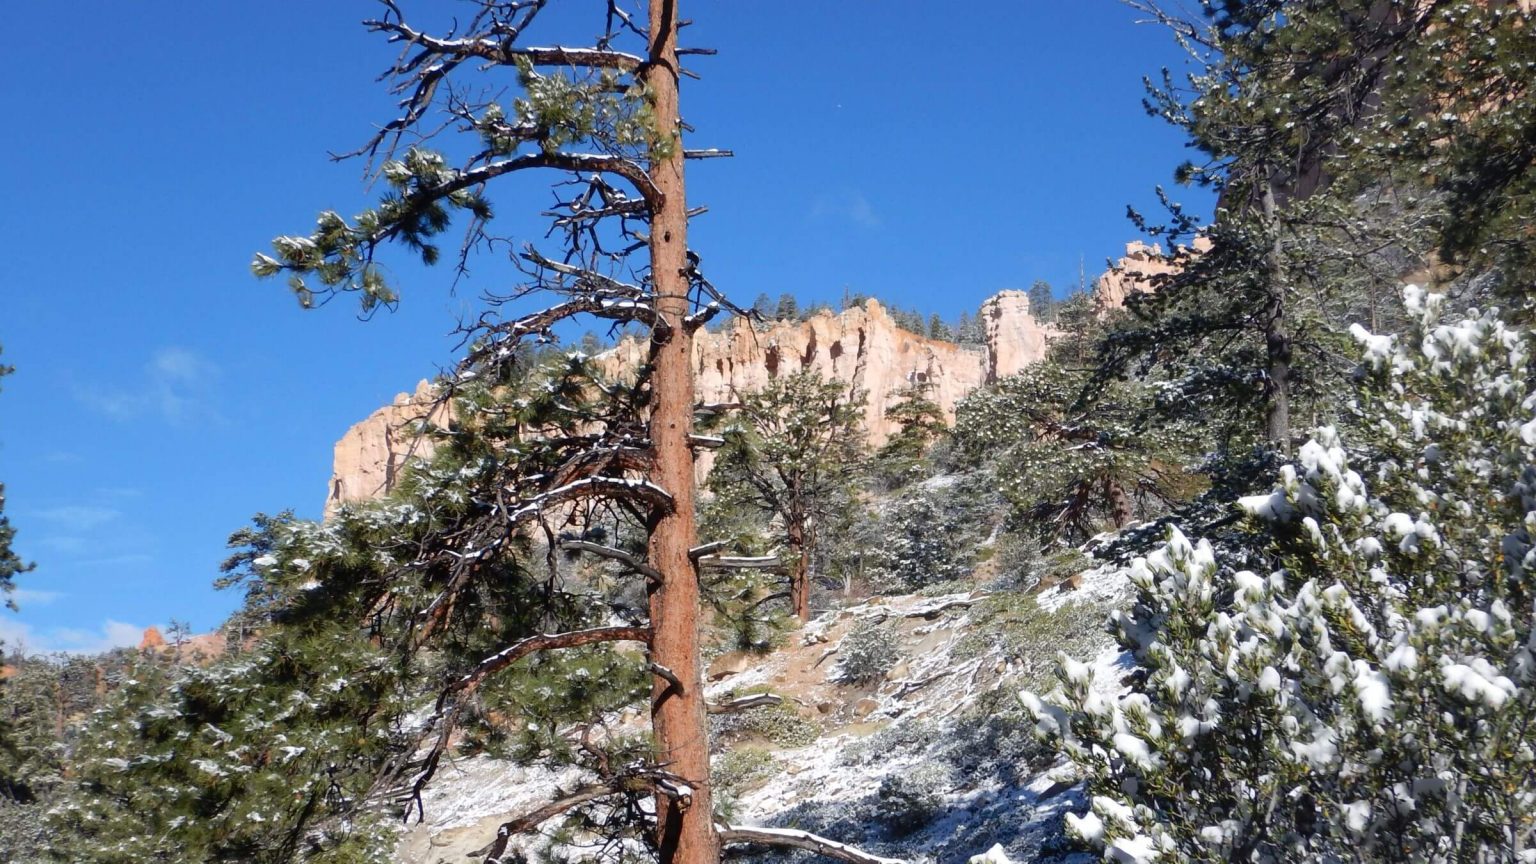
[(919, 423), (969, 331), (1352, 678), (788, 309), (763, 308), (1323, 128), (1041, 301), (791, 452), (1071, 455), (584, 453), (937, 329)]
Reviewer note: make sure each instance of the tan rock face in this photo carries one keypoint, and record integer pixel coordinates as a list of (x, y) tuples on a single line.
[(1135, 273), (1014, 338), (152, 640), (369, 456), (862, 347)]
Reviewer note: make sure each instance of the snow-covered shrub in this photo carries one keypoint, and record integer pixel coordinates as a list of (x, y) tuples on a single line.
[(868, 652), (1019, 563), (1372, 695), (906, 736), (909, 799)]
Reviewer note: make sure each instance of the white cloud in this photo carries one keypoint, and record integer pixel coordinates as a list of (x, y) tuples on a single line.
[(849, 205), (176, 385), (82, 516), (34, 597), (19, 635)]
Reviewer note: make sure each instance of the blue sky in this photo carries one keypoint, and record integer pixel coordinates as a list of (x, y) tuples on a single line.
[(927, 154)]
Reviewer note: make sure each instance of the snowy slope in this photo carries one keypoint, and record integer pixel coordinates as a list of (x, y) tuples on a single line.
[(937, 762)]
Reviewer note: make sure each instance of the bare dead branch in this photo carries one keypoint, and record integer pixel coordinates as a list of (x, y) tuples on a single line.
[(706, 442), (746, 703), (933, 611), (760, 562), (698, 552), (796, 839)]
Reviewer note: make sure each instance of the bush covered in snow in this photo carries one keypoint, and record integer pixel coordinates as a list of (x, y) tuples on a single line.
[(909, 799), (1370, 694), (868, 652)]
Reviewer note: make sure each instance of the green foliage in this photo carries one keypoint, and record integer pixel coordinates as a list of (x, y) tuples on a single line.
[(789, 465), (262, 758), (1028, 637), (780, 725), (1042, 302), (1368, 692), (909, 799), (32, 710), (1070, 457), (919, 423), (739, 770), (926, 537)]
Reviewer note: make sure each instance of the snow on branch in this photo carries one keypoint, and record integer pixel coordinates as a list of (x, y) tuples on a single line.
[(745, 703), (543, 642), (631, 561), (796, 839), (722, 562), (593, 487)]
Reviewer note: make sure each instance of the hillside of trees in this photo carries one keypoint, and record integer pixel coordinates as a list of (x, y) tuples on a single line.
[(1240, 572)]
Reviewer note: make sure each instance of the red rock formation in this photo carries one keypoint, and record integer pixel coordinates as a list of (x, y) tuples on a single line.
[(152, 640)]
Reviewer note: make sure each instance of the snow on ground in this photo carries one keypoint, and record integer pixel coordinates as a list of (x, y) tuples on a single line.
[(922, 731)]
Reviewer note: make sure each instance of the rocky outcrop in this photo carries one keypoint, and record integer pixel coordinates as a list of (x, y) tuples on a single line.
[(368, 457), (1014, 338), (862, 347), (1136, 272), (152, 640)]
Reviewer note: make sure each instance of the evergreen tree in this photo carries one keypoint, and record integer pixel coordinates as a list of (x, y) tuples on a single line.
[(1330, 131), (1072, 456), (791, 452), (1351, 678), (919, 423), (763, 308), (610, 120), (969, 331), (937, 329), (1042, 303), (788, 309)]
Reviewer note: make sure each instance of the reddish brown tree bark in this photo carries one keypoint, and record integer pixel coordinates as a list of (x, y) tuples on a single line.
[(685, 824)]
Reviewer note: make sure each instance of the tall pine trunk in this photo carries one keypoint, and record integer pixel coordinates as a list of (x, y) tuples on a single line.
[(685, 824), (799, 566)]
